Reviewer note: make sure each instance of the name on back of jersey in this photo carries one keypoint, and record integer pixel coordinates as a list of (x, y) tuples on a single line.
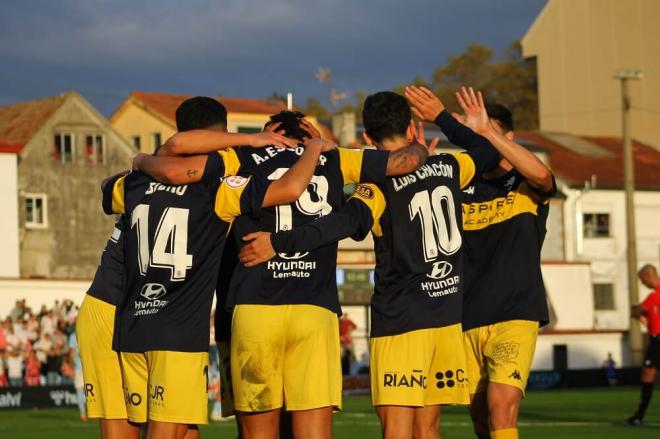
[(427, 170), (160, 187), (262, 155)]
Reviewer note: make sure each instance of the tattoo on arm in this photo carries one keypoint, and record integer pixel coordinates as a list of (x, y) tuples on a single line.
[(406, 160), (191, 173)]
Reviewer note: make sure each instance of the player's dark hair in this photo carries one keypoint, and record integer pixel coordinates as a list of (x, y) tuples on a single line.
[(502, 115), (385, 114), (199, 113), (290, 124)]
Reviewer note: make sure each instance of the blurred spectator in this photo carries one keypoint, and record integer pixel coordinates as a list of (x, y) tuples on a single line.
[(34, 347), (15, 368), (32, 370), (3, 376), (346, 328), (609, 365)]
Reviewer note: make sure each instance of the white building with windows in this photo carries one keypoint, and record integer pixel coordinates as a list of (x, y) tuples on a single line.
[(54, 153)]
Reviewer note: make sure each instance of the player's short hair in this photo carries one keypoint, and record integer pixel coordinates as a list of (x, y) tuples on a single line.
[(199, 113), (502, 115), (290, 124), (648, 269), (386, 114)]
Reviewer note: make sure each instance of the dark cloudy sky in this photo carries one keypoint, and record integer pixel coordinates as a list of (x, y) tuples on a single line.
[(250, 48)]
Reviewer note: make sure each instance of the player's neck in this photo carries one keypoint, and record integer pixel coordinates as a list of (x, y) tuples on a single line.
[(393, 143)]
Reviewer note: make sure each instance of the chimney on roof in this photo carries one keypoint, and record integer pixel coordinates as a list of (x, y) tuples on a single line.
[(343, 128)]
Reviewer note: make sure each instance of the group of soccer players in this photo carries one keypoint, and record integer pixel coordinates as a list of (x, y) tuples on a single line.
[(458, 294)]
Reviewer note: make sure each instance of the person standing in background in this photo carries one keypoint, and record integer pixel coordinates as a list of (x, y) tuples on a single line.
[(648, 310)]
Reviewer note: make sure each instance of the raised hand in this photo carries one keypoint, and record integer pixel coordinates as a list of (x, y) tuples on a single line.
[(259, 249), (306, 125), (474, 110), (425, 105), (419, 137)]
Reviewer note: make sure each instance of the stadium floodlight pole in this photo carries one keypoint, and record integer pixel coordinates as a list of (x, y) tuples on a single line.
[(634, 335)]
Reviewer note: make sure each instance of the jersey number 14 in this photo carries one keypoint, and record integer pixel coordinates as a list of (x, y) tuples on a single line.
[(172, 233)]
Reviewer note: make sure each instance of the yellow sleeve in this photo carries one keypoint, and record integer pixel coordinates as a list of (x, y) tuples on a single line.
[(373, 198), (466, 167), (350, 161), (113, 196), (228, 197), (230, 160)]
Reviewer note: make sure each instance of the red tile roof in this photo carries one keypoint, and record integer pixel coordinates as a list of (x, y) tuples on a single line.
[(19, 122), (575, 169), (165, 104)]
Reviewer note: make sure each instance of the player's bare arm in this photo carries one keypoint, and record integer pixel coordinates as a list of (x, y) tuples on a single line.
[(534, 170), (206, 141), (294, 182), (171, 170), (637, 311)]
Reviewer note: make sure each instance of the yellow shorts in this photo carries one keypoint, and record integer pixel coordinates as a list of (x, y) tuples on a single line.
[(101, 367), (419, 368), (226, 389), (501, 353), (285, 354), (166, 386)]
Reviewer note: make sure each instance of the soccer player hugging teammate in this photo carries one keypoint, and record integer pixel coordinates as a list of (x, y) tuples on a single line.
[(174, 237), (418, 361), (285, 341), (504, 217)]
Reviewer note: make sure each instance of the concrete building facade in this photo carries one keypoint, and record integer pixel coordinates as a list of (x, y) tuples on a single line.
[(578, 45), (64, 149)]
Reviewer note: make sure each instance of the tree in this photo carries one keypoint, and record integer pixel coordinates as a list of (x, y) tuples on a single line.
[(316, 109), (510, 81)]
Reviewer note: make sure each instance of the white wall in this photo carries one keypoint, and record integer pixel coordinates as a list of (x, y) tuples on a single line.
[(568, 287), (9, 256), (608, 255), (585, 351), (39, 292)]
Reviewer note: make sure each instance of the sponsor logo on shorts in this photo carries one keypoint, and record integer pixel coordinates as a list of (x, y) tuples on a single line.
[(156, 395), (515, 375), (133, 399), (154, 293), (397, 379), (451, 378), (89, 392)]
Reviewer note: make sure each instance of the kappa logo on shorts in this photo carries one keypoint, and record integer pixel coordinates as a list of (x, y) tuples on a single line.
[(450, 379), (153, 291), (364, 191), (441, 270), (396, 379), (516, 375)]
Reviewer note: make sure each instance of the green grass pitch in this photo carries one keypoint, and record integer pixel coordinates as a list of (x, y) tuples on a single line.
[(575, 413)]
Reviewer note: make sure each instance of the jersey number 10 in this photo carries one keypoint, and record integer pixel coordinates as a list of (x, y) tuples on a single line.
[(440, 231), (173, 230)]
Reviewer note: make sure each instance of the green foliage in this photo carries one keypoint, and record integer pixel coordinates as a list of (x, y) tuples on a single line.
[(510, 81)]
